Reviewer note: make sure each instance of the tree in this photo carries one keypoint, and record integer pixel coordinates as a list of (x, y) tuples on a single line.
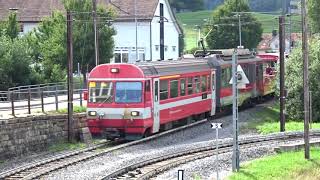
[(294, 81), (48, 47), (225, 33), (15, 69), (51, 39), (10, 27), (314, 15)]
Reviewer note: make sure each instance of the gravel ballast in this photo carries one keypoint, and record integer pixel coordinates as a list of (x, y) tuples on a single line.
[(197, 136)]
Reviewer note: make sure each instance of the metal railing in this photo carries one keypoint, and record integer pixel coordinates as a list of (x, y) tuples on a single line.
[(4, 95), (21, 93), (39, 99)]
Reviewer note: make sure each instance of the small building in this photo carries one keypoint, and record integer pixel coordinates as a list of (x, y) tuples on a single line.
[(155, 23), (270, 42)]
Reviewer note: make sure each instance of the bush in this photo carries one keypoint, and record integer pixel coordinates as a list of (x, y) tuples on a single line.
[(294, 81)]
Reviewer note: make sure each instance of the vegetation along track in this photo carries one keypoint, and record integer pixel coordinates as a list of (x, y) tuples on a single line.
[(38, 169), (147, 169)]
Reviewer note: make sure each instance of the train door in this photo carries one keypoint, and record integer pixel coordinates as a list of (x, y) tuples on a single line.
[(156, 109), (213, 93)]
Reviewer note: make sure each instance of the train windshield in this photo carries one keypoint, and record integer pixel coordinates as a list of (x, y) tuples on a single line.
[(101, 92), (128, 92)]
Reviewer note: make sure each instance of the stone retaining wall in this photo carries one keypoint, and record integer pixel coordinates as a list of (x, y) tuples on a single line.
[(21, 135)]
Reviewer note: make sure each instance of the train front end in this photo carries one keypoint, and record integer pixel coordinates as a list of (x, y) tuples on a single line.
[(117, 102)]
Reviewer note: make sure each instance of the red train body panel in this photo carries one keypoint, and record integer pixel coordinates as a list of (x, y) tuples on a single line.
[(133, 100)]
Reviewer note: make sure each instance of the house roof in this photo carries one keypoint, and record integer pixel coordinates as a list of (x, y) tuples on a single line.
[(35, 10), (126, 8), (29, 10)]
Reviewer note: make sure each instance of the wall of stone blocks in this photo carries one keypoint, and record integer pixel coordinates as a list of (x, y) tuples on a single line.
[(23, 135)]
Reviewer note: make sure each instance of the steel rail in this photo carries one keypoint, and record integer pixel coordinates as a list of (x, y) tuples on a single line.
[(151, 167)]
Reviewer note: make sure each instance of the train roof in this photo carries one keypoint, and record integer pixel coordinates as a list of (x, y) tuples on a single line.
[(189, 65), (172, 67)]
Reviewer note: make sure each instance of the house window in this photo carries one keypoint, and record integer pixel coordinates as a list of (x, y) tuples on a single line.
[(141, 56), (157, 47), (128, 54), (165, 48), (174, 48), (117, 57), (125, 57)]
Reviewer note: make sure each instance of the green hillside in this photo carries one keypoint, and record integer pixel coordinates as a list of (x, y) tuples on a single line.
[(188, 21)]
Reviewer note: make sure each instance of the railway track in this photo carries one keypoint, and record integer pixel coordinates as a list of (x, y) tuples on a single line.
[(38, 169), (147, 169)]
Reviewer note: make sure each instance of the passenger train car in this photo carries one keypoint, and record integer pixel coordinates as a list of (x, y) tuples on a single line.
[(132, 101)]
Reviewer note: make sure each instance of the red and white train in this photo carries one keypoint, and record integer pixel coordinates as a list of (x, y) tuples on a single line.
[(131, 101)]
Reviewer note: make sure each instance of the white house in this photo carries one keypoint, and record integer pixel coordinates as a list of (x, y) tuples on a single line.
[(151, 15), (148, 13)]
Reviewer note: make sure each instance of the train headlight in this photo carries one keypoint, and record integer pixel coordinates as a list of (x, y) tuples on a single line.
[(135, 113), (114, 70), (92, 113)]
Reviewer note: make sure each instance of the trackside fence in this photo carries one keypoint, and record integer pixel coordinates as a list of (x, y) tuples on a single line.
[(44, 100)]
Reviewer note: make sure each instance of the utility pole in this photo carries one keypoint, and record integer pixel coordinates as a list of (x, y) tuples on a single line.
[(240, 39), (70, 77), (306, 98), (281, 51), (290, 29), (161, 32), (235, 154), (96, 42), (136, 24)]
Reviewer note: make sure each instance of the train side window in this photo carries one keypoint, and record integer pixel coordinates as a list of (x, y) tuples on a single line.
[(226, 76), (163, 89), (156, 91), (174, 88), (182, 87), (197, 84), (204, 83), (147, 86), (190, 89), (208, 82)]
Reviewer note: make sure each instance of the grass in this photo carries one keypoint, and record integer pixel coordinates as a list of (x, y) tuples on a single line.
[(62, 146), (284, 166), (273, 127), (76, 109), (266, 121), (188, 20)]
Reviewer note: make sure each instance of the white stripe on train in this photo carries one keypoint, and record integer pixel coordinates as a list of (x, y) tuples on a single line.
[(123, 113)]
